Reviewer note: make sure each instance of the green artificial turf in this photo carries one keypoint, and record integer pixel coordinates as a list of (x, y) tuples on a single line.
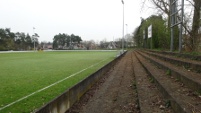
[(24, 73)]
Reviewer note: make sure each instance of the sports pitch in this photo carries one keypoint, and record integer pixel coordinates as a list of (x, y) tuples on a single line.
[(29, 80)]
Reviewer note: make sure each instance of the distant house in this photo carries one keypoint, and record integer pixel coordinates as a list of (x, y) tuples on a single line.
[(112, 45), (47, 46)]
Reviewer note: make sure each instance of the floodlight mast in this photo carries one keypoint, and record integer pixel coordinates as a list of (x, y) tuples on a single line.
[(123, 28)]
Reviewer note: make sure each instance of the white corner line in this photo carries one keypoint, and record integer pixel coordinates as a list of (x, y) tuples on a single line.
[(8, 105)]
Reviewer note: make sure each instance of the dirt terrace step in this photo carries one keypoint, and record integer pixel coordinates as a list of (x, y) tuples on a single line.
[(115, 94), (150, 98), (190, 79), (189, 56), (179, 96), (187, 63)]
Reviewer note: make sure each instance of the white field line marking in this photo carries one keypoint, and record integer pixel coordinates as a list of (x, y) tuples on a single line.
[(8, 105)]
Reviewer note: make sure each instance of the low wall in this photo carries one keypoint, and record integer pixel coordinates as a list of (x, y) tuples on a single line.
[(63, 102)]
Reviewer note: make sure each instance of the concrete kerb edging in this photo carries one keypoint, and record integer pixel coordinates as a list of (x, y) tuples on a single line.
[(174, 102), (64, 101)]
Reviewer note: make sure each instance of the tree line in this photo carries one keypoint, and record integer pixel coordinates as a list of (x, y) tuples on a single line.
[(160, 34), (21, 41), (16, 41), (65, 41)]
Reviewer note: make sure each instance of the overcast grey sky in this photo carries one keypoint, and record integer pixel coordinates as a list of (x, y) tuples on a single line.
[(90, 19)]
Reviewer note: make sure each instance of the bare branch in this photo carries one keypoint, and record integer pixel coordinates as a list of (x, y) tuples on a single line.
[(162, 5), (142, 7), (190, 3)]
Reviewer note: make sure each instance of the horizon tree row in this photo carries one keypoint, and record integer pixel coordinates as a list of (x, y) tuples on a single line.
[(65, 41), (16, 41)]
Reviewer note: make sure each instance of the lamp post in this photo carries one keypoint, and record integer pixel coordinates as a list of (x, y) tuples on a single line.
[(34, 38), (123, 28), (126, 36)]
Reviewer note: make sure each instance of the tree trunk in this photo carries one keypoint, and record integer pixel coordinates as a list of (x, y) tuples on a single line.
[(196, 25)]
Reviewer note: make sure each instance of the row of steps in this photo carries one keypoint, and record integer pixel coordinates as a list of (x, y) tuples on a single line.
[(181, 55), (186, 62), (180, 86), (149, 97)]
